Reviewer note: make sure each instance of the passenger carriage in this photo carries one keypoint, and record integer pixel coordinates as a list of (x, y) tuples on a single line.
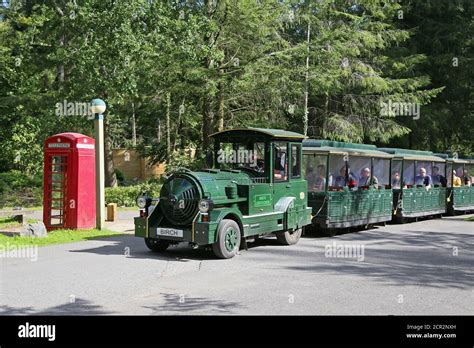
[(460, 189), (418, 182), (340, 192)]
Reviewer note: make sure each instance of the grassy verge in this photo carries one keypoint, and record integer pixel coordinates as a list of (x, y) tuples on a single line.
[(57, 237), (11, 222), (469, 218)]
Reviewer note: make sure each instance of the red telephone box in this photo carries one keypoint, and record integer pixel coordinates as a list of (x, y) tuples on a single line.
[(69, 182)]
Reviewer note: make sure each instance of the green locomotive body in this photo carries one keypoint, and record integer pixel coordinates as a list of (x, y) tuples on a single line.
[(255, 188)]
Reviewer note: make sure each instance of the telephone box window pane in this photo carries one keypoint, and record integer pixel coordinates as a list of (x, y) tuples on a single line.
[(57, 188)]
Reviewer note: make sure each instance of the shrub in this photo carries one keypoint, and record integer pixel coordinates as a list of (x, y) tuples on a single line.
[(18, 189), (126, 196)]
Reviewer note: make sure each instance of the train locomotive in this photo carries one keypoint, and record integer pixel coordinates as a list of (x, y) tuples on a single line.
[(270, 181), (255, 188)]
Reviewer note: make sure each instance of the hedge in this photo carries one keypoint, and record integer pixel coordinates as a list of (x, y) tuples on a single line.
[(126, 196)]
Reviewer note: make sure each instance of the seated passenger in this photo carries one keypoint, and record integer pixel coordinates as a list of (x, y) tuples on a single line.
[(423, 179), (311, 178), (437, 178), (321, 178), (396, 180), (456, 180), (366, 179), (466, 178), (345, 179)]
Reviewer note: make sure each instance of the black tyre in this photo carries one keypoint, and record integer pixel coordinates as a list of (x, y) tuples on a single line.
[(228, 239), (289, 238), (156, 244)]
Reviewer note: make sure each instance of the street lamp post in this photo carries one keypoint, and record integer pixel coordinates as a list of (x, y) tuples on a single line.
[(98, 107)]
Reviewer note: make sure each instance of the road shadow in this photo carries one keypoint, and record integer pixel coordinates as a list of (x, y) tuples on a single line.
[(428, 259), (182, 304), (78, 307), (135, 248)]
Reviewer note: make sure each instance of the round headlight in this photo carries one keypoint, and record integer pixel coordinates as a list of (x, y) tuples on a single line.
[(204, 205), (141, 202)]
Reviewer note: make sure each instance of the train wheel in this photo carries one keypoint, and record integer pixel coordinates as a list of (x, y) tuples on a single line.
[(228, 239), (156, 244), (289, 238)]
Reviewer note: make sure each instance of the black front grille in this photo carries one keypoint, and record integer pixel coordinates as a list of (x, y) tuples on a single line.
[(179, 200)]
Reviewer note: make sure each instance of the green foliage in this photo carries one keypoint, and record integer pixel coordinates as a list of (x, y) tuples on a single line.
[(126, 196), (205, 65), (19, 189)]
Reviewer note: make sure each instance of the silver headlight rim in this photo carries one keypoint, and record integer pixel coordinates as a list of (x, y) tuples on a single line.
[(142, 201), (208, 202)]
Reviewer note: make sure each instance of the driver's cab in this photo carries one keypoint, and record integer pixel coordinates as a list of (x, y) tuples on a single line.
[(270, 157)]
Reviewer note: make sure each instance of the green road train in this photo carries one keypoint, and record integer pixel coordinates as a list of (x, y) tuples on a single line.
[(269, 181)]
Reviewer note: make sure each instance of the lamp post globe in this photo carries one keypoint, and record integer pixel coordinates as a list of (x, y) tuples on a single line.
[(98, 106)]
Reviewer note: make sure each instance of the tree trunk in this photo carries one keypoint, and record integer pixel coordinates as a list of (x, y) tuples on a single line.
[(168, 136), (306, 92), (208, 112), (134, 126), (110, 177), (220, 123)]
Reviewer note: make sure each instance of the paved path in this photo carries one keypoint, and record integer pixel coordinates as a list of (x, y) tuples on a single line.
[(418, 268)]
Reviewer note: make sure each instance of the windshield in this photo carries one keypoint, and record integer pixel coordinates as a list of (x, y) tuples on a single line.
[(239, 155)]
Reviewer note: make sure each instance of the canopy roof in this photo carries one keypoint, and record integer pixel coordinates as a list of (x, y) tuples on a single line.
[(415, 155), (342, 148), (267, 132)]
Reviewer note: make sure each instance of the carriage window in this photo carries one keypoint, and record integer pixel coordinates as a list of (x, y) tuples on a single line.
[(408, 173), (241, 155), (466, 176), (439, 174), (423, 173), (449, 174), (314, 171), (360, 172), (396, 174), (458, 170), (295, 161), (280, 161), (381, 171), (470, 172), (337, 171)]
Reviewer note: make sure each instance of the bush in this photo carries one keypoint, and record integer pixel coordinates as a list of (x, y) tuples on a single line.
[(126, 196), (18, 189)]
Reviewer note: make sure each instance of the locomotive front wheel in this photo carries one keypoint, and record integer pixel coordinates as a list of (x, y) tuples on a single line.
[(156, 244), (228, 239), (289, 238)]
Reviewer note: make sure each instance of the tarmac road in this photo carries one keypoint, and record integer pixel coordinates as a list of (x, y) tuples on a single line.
[(422, 268)]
